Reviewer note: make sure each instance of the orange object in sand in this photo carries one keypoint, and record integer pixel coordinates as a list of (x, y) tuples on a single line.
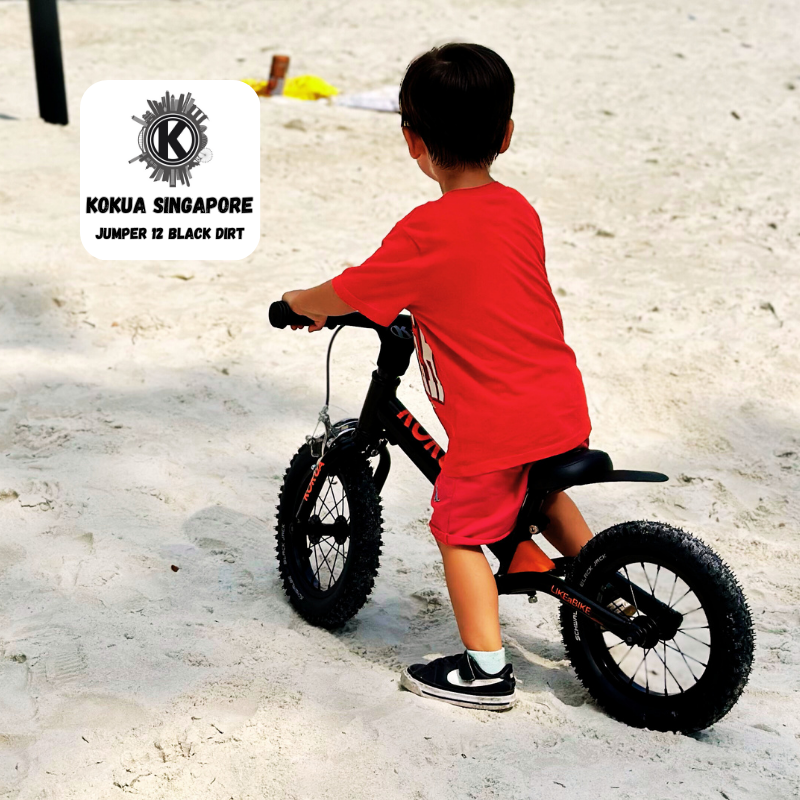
[(277, 75), (529, 557)]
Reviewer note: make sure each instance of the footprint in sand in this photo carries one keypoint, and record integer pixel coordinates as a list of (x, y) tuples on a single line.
[(234, 539), (93, 711), (218, 527), (54, 655), (14, 762), (17, 706), (10, 554)]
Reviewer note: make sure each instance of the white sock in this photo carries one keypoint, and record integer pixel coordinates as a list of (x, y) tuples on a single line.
[(490, 661)]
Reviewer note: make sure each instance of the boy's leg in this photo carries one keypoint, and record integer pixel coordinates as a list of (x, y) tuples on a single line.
[(473, 593), (468, 510), (567, 531), (480, 677)]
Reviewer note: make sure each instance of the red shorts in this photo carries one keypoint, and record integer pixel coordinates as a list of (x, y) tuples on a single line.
[(478, 509)]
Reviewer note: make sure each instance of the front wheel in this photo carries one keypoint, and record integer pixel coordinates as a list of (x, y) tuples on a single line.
[(329, 563), (682, 679)]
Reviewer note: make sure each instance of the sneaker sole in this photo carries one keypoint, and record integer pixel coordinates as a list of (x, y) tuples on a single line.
[(484, 702)]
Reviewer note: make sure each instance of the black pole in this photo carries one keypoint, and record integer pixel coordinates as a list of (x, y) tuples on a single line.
[(48, 62)]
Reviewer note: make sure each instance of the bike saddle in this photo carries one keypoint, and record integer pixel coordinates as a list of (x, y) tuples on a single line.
[(581, 466)]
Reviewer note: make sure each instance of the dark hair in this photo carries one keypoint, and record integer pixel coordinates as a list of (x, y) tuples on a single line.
[(458, 99)]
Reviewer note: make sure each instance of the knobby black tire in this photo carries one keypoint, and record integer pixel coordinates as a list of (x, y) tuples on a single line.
[(732, 639), (351, 591)]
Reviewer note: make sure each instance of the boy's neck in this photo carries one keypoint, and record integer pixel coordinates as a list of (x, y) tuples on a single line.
[(449, 179)]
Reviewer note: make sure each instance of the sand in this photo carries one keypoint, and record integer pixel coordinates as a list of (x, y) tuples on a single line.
[(146, 419)]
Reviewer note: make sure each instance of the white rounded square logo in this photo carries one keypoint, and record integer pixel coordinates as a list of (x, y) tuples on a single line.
[(170, 170)]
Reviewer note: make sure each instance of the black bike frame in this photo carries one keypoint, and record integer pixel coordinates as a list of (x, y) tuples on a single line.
[(384, 419)]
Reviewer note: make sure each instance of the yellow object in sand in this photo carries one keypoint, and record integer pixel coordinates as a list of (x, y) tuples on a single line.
[(303, 87), (257, 86), (308, 87)]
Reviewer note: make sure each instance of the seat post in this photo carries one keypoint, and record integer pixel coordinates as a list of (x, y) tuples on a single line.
[(529, 514), (504, 550)]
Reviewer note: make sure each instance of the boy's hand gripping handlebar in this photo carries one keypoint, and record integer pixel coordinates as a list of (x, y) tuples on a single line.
[(397, 341), (282, 316)]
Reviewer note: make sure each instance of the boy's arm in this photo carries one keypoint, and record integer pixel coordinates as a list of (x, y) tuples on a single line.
[(318, 304)]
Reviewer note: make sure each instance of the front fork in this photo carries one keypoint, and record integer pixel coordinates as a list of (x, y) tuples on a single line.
[(343, 440), (384, 465)]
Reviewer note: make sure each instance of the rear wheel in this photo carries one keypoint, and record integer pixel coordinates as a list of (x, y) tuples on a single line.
[(685, 677), (329, 563)]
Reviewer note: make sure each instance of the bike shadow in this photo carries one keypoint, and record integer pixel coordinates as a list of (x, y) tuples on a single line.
[(541, 666)]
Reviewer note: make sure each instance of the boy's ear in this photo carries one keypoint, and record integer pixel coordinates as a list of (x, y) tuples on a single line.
[(416, 147), (507, 137)]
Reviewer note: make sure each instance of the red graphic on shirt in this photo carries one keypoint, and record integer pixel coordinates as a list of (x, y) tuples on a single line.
[(419, 433), (427, 365)]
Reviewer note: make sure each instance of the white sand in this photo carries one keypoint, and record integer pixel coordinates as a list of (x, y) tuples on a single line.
[(146, 420)]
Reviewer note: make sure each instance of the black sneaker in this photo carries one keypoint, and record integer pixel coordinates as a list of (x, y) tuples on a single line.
[(460, 681)]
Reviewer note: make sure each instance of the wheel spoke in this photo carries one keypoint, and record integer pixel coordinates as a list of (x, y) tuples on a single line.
[(684, 657), (674, 584), (316, 561), (630, 680), (668, 670), (328, 511), (655, 582), (646, 577), (630, 586), (327, 493), (630, 650), (330, 571), (681, 597), (694, 637), (330, 542), (335, 559), (330, 504), (338, 502), (332, 512), (340, 551)]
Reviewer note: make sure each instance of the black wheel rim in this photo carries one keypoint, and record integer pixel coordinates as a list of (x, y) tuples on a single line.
[(678, 662), (322, 545)]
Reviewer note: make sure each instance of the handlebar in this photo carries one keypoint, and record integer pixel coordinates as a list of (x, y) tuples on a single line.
[(282, 316), (397, 340)]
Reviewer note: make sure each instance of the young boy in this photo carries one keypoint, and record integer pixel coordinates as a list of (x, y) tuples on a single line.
[(470, 268)]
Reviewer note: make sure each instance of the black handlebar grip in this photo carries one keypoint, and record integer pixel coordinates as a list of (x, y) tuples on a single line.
[(281, 316)]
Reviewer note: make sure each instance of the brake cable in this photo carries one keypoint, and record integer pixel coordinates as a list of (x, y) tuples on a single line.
[(328, 368), (324, 417)]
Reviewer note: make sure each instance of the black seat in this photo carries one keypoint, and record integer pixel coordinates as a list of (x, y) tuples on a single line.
[(573, 468), (578, 467)]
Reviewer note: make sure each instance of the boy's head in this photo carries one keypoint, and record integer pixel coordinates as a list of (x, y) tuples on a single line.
[(457, 99)]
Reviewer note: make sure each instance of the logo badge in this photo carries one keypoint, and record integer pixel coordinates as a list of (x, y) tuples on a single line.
[(172, 139), (143, 207)]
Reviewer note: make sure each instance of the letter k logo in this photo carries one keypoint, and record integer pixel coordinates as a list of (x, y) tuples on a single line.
[(167, 141)]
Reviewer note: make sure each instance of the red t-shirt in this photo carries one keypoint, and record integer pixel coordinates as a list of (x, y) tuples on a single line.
[(490, 340)]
